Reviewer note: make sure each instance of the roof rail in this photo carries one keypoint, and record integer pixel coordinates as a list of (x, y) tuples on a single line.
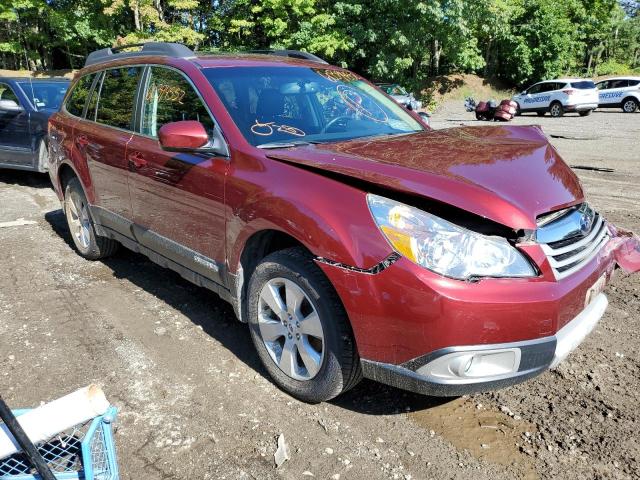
[(291, 54), (176, 50)]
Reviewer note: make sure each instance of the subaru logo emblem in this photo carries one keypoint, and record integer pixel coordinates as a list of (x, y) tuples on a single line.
[(585, 223)]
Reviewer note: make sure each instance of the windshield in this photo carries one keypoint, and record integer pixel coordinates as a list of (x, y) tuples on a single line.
[(44, 95), (302, 104)]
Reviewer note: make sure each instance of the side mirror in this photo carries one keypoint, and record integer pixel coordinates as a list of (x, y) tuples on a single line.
[(425, 118), (523, 92), (190, 136), (10, 106)]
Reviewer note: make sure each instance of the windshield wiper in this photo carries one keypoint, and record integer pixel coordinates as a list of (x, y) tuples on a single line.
[(295, 143)]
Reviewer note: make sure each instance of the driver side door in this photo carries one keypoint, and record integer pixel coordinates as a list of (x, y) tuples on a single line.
[(15, 134), (177, 197)]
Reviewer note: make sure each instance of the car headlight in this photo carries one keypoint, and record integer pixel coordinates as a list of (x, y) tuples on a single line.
[(443, 247)]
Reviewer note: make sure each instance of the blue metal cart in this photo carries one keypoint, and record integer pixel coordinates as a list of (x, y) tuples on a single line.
[(85, 452)]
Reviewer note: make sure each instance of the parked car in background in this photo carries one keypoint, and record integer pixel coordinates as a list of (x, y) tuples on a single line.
[(619, 92), (353, 239), (559, 97), (25, 107), (400, 95)]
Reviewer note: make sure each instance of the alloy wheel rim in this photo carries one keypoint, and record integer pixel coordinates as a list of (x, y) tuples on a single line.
[(629, 106), (290, 329), (555, 110), (78, 218)]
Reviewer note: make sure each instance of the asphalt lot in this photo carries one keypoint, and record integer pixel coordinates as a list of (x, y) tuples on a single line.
[(195, 403)]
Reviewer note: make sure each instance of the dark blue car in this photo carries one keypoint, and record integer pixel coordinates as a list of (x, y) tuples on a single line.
[(25, 107)]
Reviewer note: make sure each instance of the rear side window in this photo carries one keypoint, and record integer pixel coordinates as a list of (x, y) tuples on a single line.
[(619, 83), (583, 85), (633, 83), (78, 97), (169, 97), (117, 94)]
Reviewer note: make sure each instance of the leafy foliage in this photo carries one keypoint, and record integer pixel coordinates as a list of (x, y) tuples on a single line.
[(407, 41)]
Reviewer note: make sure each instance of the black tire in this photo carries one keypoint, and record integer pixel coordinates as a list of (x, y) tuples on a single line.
[(556, 110), (518, 112), (541, 114), (585, 113), (96, 247), (629, 105), (339, 369)]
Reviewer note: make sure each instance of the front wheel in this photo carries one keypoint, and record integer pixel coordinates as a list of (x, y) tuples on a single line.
[(300, 328), (629, 105), (556, 110), (76, 209), (43, 157)]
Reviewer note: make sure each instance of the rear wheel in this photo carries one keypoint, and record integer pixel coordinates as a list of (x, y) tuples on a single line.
[(629, 105), (556, 109), (76, 209), (585, 113), (300, 329)]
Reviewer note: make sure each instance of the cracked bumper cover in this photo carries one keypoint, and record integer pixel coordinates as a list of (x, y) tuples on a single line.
[(438, 373), (409, 322)]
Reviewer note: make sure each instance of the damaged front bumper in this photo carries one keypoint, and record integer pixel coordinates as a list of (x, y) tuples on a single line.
[(479, 336), (455, 371)]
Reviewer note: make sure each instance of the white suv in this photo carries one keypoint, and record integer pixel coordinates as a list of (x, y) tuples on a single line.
[(558, 97), (619, 92)]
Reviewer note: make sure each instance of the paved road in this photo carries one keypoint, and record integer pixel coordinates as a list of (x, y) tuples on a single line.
[(196, 404)]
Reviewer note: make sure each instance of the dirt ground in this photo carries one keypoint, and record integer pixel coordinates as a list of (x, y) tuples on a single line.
[(194, 402)]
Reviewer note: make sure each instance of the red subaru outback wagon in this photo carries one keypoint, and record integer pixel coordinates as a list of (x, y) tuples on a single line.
[(353, 239)]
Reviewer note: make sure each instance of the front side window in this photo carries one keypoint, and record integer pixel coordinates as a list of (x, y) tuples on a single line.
[(169, 97), (117, 95), (535, 89), (78, 97), (278, 104), (44, 95)]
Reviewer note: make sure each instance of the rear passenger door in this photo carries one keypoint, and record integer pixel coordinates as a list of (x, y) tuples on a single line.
[(102, 141), (177, 198), (543, 97)]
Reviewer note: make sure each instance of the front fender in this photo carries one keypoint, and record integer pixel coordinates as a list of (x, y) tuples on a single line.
[(330, 218)]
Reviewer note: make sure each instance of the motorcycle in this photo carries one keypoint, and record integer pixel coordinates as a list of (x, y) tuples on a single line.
[(492, 110)]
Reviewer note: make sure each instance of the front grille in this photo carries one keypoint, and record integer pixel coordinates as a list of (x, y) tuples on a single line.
[(569, 251)]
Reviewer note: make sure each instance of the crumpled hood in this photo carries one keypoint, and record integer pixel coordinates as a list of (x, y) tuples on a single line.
[(509, 174)]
